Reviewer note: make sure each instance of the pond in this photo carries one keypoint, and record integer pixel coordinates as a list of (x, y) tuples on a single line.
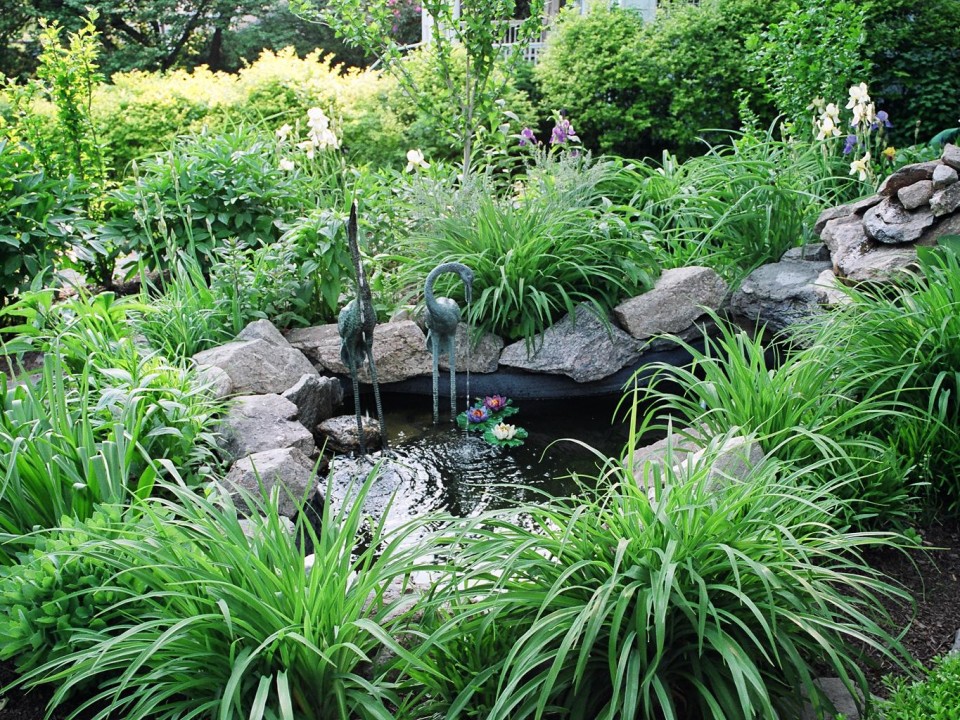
[(441, 467)]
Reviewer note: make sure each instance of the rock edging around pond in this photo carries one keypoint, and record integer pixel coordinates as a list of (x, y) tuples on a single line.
[(872, 240)]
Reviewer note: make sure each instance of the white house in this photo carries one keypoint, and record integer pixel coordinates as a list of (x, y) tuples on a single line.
[(647, 8)]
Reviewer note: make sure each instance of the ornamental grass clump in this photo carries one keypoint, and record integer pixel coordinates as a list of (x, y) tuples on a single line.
[(208, 618), (718, 600), (903, 342), (808, 408)]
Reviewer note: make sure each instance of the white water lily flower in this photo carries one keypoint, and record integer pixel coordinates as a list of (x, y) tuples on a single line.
[(415, 159), (860, 167), (503, 431)]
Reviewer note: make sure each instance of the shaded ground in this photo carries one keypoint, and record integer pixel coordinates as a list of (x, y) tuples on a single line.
[(932, 577)]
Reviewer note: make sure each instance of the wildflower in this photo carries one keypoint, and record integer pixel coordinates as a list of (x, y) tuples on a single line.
[(495, 403), (478, 414), (317, 119), (882, 119), (889, 152), (503, 431), (850, 143), (860, 167), (415, 159), (527, 137), (817, 104), (286, 165), (283, 132)]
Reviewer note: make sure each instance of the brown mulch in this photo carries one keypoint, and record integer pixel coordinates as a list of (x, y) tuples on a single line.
[(932, 576)]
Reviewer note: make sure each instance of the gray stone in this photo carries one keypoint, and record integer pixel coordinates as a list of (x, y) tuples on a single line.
[(916, 195), (956, 644), (731, 458), (257, 367), (828, 290), (316, 398), (288, 467), (484, 352), (949, 225), (341, 433), (581, 347), (779, 295), (250, 528), (858, 207), (817, 252), (215, 380), (881, 263), (843, 236), (839, 697), (399, 350), (678, 298), (945, 201), (951, 155), (944, 175), (256, 423), (907, 175), (263, 330), (890, 224)]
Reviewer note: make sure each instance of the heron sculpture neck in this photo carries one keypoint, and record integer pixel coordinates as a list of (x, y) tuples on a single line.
[(356, 324), (443, 317)]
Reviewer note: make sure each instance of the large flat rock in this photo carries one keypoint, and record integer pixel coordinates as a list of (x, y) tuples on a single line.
[(890, 223), (679, 297), (256, 366), (287, 467), (256, 423), (581, 347), (780, 294), (483, 353), (399, 350)]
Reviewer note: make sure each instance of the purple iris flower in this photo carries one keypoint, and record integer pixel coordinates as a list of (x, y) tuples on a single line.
[(882, 117), (527, 137), (850, 144), (562, 132)]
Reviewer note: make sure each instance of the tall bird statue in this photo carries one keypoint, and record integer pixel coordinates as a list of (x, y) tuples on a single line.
[(355, 324), (443, 316)]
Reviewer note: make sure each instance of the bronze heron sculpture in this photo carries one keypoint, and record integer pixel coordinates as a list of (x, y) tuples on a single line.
[(443, 317), (355, 325)]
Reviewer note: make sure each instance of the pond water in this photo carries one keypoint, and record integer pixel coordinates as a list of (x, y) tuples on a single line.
[(443, 468)]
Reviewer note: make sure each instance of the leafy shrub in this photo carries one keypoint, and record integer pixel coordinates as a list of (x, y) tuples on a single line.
[(38, 217), (209, 189), (210, 621), (903, 343), (916, 65), (937, 697), (438, 132), (739, 205), (815, 50), (705, 602), (637, 89), (808, 411), (533, 258)]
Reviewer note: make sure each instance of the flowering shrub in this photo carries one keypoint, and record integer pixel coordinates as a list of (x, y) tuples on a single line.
[(487, 416)]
